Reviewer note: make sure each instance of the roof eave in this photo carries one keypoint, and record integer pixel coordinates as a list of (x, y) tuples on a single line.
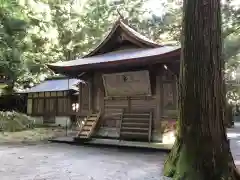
[(27, 92), (115, 64)]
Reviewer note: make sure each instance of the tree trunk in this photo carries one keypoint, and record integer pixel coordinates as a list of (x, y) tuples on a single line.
[(201, 150)]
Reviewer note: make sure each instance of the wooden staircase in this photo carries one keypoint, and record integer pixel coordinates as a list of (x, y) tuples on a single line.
[(88, 125), (136, 126)]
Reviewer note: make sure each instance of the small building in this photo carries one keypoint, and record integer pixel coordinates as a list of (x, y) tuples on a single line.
[(54, 101), (132, 86)]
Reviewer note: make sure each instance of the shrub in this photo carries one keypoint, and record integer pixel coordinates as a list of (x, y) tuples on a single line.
[(13, 121)]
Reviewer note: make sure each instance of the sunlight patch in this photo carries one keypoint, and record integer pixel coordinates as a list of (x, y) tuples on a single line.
[(233, 135)]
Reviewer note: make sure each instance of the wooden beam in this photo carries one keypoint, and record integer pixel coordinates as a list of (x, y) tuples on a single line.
[(158, 96), (103, 92), (132, 40)]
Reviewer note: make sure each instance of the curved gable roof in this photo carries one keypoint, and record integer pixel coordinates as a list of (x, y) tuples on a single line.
[(120, 26), (135, 57)]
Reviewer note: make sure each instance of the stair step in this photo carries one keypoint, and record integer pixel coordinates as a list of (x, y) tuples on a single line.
[(83, 137), (89, 123), (137, 114), (135, 124), (135, 133), (134, 129), (86, 128), (92, 119), (135, 119), (84, 132)]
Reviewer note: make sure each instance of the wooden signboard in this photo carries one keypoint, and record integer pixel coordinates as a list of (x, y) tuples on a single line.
[(127, 84)]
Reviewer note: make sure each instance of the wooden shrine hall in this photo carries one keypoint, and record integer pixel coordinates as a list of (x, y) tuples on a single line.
[(132, 86)]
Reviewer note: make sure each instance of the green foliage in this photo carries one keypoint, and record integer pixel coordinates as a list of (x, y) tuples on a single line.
[(34, 33), (12, 33), (13, 121)]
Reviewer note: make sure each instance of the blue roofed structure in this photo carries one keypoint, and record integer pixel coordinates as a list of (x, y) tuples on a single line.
[(51, 85), (54, 101)]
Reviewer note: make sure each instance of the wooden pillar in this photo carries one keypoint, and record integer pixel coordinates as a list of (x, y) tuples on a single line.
[(90, 95), (80, 98), (176, 89), (102, 92), (158, 96), (56, 94), (69, 103)]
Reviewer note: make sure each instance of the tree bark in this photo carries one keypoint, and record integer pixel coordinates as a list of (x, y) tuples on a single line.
[(201, 150)]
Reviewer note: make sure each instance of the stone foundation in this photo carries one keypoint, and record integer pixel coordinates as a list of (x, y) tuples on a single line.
[(59, 121), (108, 132)]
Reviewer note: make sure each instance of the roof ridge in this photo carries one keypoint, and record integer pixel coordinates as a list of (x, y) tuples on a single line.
[(126, 27), (137, 34)]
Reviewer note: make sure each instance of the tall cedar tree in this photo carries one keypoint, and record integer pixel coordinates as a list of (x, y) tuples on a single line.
[(201, 150)]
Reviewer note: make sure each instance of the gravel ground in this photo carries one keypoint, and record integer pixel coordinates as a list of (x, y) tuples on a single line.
[(66, 162)]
